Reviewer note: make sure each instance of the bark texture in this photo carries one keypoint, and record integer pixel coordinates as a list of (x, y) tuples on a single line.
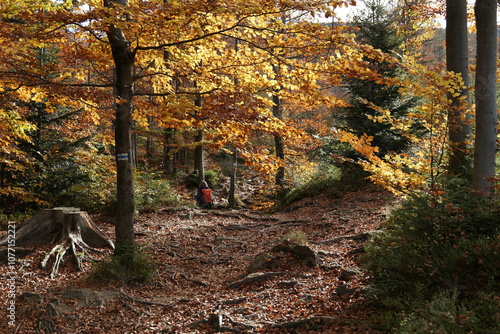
[(457, 61), (124, 59), (486, 104)]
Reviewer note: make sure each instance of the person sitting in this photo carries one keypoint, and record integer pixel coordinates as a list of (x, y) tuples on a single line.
[(204, 196)]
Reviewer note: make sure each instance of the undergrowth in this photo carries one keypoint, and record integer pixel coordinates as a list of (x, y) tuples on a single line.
[(141, 270), (435, 265), (329, 179), (153, 191), (211, 176)]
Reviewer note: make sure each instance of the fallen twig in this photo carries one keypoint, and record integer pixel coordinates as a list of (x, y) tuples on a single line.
[(357, 236), (143, 301)]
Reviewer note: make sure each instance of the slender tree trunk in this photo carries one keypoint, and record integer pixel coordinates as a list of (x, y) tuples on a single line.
[(124, 64), (457, 60), (278, 140), (184, 156), (278, 143), (168, 157), (150, 142), (486, 104), (199, 165), (149, 146), (232, 186)]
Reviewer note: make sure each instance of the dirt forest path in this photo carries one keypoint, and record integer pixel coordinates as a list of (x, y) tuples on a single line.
[(204, 284)]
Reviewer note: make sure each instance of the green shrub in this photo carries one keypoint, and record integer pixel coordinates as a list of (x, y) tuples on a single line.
[(84, 180), (91, 186), (435, 243), (296, 236), (211, 176), (352, 177), (153, 191), (326, 180), (447, 313), (142, 270), (440, 313)]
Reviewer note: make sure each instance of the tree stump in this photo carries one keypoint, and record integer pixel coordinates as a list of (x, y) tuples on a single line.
[(70, 228)]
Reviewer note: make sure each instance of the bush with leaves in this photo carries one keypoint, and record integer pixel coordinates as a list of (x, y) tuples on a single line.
[(448, 240), (86, 180), (211, 176), (325, 180), (153, 191), (142, 270), (446, 312)]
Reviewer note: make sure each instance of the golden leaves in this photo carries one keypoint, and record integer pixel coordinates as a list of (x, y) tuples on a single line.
[(237, 57), (405, 172)]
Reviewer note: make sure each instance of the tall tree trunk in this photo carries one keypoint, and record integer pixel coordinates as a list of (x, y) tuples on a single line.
[(278, 144), (183, 156), (150, 142), (278, 140), (124, 64), (168, 157), (457, 60), (199, 165), (232, 186), (486, 104)]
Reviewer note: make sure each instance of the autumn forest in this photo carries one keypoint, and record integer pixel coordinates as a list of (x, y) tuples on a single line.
[(353, 161)]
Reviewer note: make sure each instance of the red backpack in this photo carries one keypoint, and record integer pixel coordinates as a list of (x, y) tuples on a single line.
[(207, 195)]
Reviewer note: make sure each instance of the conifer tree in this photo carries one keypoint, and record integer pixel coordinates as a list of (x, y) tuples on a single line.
[(377, 29)]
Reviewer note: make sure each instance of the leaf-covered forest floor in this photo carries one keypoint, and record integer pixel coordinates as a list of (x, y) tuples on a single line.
[(201, 254)]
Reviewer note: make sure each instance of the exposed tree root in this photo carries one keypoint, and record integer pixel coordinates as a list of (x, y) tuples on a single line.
[(69, 228)]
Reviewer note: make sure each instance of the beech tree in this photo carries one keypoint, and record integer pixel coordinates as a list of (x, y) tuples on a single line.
[(112, 57), (457, 61), (124, 61), (28, 62), (199, 163), (485, 144), (279, 145)]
